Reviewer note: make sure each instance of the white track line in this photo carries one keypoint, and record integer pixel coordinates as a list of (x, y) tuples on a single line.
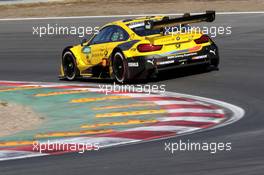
[(191, 119), (102, 141), (173, 102), (178, 102), (195, 110), (122, 16), (13, 154), (178, 129), (137, 95)]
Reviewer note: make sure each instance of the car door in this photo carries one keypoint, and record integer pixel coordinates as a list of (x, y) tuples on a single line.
[(99, 44)]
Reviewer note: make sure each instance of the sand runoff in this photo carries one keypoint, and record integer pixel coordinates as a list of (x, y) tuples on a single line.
[(15, 118), (125, 7)]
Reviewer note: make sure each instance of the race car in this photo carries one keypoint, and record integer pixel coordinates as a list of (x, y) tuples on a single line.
[(140, 48)]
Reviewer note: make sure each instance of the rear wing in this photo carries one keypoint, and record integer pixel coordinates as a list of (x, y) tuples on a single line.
[(209, 16)]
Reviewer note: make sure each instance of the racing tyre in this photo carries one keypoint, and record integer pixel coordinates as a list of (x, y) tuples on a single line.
[(120, 68), (69, 66), (215, 62)]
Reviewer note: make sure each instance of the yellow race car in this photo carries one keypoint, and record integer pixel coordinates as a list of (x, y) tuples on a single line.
[(140, 48)]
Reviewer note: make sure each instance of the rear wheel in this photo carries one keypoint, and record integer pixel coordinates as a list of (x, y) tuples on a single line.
[(215, 62), (119, 66), (69, 66)]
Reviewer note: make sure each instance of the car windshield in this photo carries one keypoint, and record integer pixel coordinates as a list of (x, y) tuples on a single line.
[(142, 31)]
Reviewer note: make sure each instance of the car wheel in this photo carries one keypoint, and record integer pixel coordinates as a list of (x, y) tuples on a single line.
[(69, 66), (119, 67), (215, 62)]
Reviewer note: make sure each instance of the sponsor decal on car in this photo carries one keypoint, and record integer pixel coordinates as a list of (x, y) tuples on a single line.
[(133, 64), (199, 57), (213, 51), (182, 56), (86, 49), (165, 62)]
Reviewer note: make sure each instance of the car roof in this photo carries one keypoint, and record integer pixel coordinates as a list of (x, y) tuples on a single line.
[(127, 22)]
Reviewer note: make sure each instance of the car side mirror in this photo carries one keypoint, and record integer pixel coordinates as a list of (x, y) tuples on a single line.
[(83, 41)]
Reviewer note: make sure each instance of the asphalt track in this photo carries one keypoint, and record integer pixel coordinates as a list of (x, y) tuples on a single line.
[(240, 81)]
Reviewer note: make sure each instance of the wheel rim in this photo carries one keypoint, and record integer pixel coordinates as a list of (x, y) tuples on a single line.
[(69, 67), (119, 69)]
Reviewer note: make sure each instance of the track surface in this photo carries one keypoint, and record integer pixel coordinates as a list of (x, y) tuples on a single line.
[(239, 81)]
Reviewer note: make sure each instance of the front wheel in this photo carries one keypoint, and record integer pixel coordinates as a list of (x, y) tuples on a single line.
[(120, 69), (69, 66)]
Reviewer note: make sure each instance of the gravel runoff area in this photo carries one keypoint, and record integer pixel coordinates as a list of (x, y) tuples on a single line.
[(16, 118), (125, 7)]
